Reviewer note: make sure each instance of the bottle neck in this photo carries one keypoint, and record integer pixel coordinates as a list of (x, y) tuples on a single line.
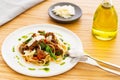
[(107, 3)]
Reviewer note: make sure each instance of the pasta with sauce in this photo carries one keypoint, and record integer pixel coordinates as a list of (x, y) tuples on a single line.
[(43, 47)]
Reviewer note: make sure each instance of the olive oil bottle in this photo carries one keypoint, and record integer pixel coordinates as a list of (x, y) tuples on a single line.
[(105, 21)]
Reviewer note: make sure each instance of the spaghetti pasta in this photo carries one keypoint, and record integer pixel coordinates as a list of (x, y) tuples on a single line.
[(43, 47)]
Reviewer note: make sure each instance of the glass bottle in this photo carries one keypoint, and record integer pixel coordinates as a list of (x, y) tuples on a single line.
[(105, 21)]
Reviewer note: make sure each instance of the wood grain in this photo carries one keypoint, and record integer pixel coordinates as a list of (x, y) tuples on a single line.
[(104, 50)]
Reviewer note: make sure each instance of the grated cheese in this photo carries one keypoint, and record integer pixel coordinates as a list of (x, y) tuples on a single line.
[(66, 11)]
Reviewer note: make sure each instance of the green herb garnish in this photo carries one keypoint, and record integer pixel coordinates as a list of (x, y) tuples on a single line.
[(28, 40), (25, 37), (45, 69), (31, 68), (49, 50), (13, 49), (67, 45), (68, 48), (43, 45), (20, 64), (58, 53), (41, 32), (62, 63), (19, 39), (17, 57)]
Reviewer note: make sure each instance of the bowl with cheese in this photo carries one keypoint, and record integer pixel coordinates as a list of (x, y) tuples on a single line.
[(65, 12)]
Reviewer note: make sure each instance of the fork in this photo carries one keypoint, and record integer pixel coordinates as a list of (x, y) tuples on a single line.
[(109, 67)]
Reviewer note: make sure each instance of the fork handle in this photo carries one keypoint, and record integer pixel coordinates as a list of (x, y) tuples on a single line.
[(110, 70), (109, 67)]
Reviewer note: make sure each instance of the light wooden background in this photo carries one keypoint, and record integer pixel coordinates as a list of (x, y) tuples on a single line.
[(104, 50)]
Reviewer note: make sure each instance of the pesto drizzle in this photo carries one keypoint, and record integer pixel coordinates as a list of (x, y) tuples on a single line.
[(45, 69), (13, 49), (31, 69), (20, 63)]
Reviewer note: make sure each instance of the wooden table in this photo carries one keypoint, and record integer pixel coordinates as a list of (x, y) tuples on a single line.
[(104, 50)]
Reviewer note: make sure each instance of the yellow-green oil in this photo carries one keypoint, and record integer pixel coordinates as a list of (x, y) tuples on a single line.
[(105, 22)]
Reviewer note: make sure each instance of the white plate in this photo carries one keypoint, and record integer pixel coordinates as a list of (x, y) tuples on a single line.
[(17, 63)]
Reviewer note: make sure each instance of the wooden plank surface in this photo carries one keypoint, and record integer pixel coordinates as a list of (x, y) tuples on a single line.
[(105, 50)]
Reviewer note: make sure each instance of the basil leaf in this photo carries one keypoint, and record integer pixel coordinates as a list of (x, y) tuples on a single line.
[(58, 53), (28, 40), (43, 45), (49, 50)]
